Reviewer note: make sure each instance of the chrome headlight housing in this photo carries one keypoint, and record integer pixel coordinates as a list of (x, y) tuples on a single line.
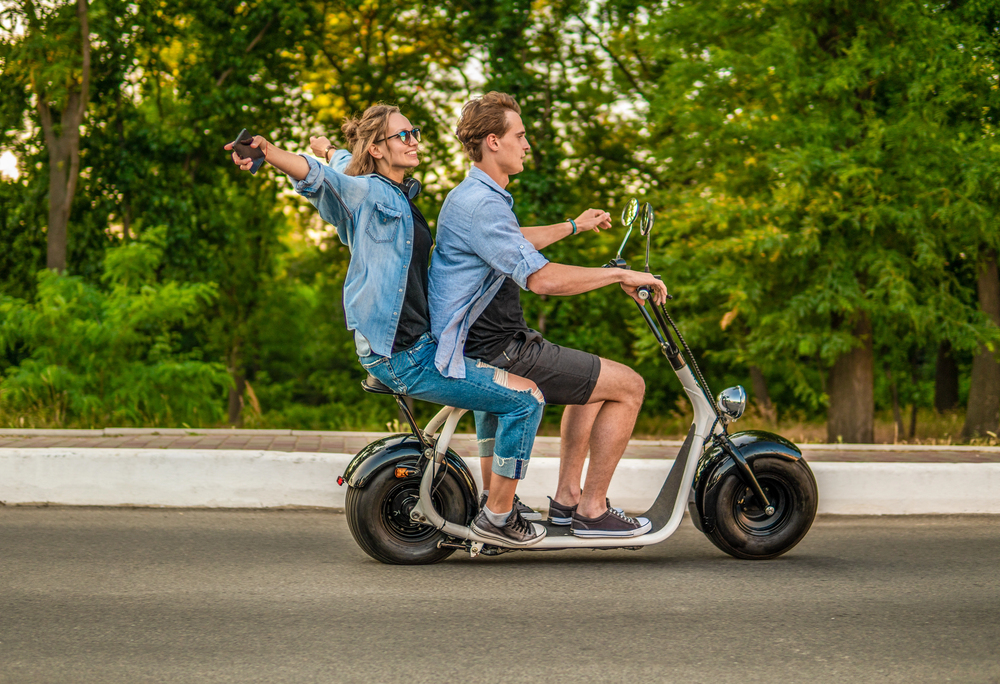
[(732, 401)]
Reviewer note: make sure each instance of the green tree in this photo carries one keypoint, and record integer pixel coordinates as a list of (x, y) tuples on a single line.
[(815, 159), (46, 51)]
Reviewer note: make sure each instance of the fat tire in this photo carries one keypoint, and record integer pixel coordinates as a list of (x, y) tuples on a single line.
[(389, 539), (744, 532)]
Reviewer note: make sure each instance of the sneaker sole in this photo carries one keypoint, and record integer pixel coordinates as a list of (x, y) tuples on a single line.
[(561, 521), (507, 541), (532, 516), (616, 534)]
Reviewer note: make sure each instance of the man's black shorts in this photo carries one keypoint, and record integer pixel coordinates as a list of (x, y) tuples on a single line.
[(564, 375)]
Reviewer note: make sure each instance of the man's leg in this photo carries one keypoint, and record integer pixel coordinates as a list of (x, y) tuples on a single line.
[(604, 425), (574, 444)]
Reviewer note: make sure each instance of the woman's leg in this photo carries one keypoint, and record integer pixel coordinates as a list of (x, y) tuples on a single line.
[(517, 406)]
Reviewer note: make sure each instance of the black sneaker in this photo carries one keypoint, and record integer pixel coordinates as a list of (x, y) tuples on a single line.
[(516, 532), (519, 506), (563, 515), (611, 523)]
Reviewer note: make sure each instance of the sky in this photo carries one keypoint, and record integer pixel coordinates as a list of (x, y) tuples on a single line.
[(8, 165)]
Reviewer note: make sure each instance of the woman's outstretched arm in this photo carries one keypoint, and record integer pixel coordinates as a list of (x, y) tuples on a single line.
[(292, 164)]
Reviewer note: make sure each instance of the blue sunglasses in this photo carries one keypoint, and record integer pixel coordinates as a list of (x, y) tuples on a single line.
[(404, 136)]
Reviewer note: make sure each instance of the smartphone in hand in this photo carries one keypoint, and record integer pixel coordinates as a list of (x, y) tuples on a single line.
[(241, 146)]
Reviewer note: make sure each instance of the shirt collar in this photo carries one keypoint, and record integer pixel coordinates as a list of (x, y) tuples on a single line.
[(483, 177)]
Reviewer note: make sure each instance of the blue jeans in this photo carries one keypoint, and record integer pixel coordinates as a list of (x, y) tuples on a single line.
[(484, 388)]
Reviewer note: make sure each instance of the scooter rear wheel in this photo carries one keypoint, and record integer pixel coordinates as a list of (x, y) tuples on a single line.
[(379, 518), (744, 530)]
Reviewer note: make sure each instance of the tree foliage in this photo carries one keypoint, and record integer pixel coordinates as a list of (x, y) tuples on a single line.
[(821, 169)]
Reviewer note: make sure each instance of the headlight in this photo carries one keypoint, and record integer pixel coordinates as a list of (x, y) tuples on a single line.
[(732, 401)]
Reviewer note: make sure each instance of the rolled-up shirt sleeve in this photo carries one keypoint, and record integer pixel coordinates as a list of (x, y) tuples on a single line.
[(496, 237)]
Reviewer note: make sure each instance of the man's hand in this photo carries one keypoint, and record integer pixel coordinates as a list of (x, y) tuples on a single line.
[(319, 146), (633, 280), (593, 219), (245, 164)]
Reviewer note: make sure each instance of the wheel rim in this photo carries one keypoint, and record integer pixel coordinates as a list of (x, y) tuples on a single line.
[(396, 507), (749, 514)]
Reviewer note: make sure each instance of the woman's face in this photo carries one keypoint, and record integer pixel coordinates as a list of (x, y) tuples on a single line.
[(395, 154)]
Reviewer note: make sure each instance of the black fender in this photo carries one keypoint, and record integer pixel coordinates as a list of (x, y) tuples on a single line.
[(714, 465), (405, 450)]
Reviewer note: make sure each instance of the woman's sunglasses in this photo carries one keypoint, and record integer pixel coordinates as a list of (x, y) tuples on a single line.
[(404, 136)]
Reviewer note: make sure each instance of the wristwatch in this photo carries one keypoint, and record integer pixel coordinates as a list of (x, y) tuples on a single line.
[(326, 152)]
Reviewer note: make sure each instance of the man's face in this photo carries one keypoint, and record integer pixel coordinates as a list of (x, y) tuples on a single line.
[(514, 146)]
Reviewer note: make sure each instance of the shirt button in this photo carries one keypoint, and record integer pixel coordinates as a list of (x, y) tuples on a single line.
[(407, 242), (521, 246), (400, 290)]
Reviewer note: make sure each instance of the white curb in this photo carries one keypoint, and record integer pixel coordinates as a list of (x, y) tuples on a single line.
[(262, 479)]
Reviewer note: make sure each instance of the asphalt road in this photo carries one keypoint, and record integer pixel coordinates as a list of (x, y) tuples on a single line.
[(121, 595)]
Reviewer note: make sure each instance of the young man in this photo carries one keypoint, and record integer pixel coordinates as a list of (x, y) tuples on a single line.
[(481, 259)]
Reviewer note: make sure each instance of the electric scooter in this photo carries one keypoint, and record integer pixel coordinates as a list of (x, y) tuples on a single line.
[(411, 499)]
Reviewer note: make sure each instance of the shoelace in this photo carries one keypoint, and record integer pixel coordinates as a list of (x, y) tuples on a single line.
[(517, 523), (621, 516)]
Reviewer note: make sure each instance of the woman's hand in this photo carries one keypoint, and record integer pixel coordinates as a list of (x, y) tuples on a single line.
[(593, 219), (319, 146), (245, 164)]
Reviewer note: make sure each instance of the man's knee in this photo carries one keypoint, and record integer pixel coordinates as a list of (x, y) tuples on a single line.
[(622, 383)]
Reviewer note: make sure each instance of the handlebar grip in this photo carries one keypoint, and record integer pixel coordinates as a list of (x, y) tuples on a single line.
[(644, 292)]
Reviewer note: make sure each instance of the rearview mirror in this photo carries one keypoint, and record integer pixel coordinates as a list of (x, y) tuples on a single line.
[(646, 227), (646, 219), (629, 213)]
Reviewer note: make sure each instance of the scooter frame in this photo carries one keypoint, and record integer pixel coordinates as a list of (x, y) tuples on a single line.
[(667, 510)]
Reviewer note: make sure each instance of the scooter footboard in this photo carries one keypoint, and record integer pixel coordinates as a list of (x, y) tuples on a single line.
[(659, 513)]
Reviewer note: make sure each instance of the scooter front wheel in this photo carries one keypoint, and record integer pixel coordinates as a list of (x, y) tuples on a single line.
[(744, 530), (378, 515)]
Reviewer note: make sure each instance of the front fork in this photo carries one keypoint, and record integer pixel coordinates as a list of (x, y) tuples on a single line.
[(744, 470)]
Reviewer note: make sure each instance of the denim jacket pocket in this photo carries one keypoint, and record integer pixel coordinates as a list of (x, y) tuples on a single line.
[(383, 223)]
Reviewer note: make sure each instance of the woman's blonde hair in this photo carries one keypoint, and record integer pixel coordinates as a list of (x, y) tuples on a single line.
[(482, 117), (361, 132)]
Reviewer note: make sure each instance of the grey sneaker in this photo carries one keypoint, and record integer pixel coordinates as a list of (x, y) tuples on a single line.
[(611, 523), (516, 532), (563, 515), (519, 506)]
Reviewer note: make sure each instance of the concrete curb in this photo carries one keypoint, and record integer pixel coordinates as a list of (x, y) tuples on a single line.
[(263, 479)]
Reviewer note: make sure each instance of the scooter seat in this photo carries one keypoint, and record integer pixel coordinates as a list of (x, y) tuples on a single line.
[(376, 386)]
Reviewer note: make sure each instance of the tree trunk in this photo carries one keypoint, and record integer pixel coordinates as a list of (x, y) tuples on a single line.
[(64, 147), (897, 415), (851, 387), (945, 379), (234, 365), (236, 399), (759, 386), (983, 411)]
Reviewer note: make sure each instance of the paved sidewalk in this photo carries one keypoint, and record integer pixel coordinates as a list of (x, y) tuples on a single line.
[(292, 441)]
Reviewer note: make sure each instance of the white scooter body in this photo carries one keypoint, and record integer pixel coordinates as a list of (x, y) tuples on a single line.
[(666, 512)]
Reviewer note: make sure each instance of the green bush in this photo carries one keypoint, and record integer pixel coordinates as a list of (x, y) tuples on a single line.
[(79, 355)]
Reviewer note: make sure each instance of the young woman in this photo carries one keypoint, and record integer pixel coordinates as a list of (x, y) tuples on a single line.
[(366, 195)]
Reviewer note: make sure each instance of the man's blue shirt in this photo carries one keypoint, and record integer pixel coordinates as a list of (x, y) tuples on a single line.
[(380, 254), (479, 243)]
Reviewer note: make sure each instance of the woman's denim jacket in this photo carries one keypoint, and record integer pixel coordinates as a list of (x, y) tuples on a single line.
[(380, 250)]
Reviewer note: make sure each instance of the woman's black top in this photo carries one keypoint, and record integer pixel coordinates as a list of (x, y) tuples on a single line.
[(415, 318)]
